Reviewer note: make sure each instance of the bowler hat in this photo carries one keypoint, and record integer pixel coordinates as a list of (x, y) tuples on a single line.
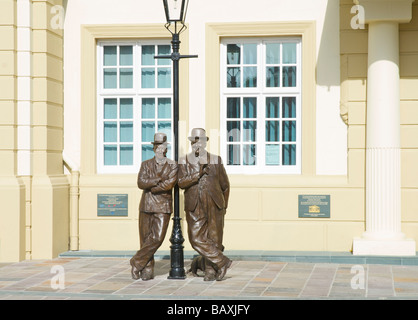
[(198, 134), (159, 138)]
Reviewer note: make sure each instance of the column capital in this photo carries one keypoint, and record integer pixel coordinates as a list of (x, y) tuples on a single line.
[(386, 10)]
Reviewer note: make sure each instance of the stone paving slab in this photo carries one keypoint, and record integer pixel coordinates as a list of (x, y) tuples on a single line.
[(108, 278)]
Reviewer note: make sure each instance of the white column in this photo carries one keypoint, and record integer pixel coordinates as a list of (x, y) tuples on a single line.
[(383, 234)]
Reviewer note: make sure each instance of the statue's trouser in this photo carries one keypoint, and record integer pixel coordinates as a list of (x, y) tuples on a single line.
[(152, 231), (205, 231)]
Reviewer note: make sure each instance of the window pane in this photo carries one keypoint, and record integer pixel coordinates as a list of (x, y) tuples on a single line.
[(249, 155), (289, 130), (272, 107), (164, 50), (272, 154), (272, 76), (250, 108), (289, 76), (110, 79), (126, 56), (165, 127), (126, 155), (148, 53), (289, 154), (289, 52), (110, 53), (289, 107), (164, 78), (273, 53), (234, 154), (250, 77), (110, 131), (148, 108), (272, 131), (250, 53), (164, 108), (126, 78), (147, 152), (126, 132), (148, 131), (250, 129), (126, 108), (234, 77), (148, 78), (233, 107), (233, 130), (110, 108), (110, 155), (233, 54)]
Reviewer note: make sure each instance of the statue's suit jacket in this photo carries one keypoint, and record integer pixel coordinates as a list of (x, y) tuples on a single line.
[(157, 198), (215, 183)]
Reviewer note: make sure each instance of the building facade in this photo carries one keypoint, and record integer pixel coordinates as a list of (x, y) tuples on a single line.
[(311, 104)]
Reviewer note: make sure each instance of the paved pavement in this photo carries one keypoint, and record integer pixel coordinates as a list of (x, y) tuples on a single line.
[(108, 278)]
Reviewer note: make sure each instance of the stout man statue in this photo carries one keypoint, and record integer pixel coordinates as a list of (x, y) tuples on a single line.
[(203, 177), (156, 178)]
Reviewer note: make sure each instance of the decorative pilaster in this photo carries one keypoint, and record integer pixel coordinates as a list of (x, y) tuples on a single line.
[(12, 188), (50, 187), (383, 234)]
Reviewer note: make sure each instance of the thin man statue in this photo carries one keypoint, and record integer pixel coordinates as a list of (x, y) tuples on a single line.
[(206, 184), (157, 177)]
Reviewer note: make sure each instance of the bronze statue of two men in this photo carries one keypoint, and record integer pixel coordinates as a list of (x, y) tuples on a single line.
[(206, 192)]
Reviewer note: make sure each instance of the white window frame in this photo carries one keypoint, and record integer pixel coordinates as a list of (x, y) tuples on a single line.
[(261, 92), (136, 93)]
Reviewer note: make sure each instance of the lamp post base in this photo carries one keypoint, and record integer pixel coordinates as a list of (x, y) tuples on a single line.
[(176, 252)]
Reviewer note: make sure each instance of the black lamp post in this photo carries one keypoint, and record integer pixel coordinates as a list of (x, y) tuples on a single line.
[(175, 11)]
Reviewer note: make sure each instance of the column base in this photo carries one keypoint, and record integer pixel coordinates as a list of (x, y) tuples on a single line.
[(384, 247)]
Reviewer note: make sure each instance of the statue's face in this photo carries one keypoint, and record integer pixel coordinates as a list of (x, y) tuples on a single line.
[(199, 146), (160, 151)]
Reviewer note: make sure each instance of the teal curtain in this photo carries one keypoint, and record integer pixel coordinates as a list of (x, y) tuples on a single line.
[(126, 131), (289, 154), (110, 108), (148, 108), (289, 107), (233, 108), (147, 56), (110, 155), (126, 56), (148, 131), (148, 78), (110, 56), (164, 108), (289, 131), (126, 108), (272, 77), (273, 53), (126, 155), (289, 76), (289, 53), (272, 107), (110, 131), (126, 80), (272, 131), (147, 152), (110, 80), (164, 78), (250, 53)]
